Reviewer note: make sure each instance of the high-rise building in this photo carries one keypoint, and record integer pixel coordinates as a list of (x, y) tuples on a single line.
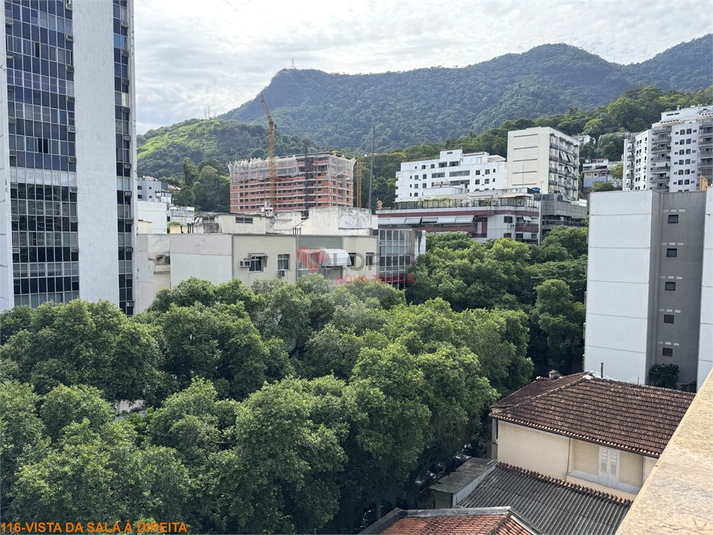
[(650, 284), (452, 173), (542, 157), (673, 154), (67, 154), (301, 182)]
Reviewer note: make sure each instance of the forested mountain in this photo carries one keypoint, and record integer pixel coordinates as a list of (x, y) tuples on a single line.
[(161, 151), (435, 104)]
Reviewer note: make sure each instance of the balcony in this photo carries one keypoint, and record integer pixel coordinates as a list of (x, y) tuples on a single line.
[(706, 142), (655, 159), (659, 149)]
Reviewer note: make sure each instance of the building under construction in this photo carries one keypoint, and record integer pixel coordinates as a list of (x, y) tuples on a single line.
[(300, 182)]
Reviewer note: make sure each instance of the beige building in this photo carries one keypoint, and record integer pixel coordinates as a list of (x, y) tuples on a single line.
[(542, 157), (603, 434), (338, 242)]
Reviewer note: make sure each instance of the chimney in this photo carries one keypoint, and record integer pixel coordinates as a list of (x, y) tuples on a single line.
[(554, 374)]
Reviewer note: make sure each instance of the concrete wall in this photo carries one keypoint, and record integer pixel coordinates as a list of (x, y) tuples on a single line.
[(705, 342), (532, 449), (206, 256), (245, 246), (618, 268), (95, 148), (154, 267), (154, 213)]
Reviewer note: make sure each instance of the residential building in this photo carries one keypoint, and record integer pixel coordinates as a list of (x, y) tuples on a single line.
[(398, 250), (587, 430), (451, 174), (598, 170), (673, 154), (543, 158), (549, 505), (520, 214), (649, 280), (338, 242), (150, 189), (67, 157), (302, 182), (677, 497)]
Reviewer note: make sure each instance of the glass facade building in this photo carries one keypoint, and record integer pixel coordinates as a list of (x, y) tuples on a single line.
[(62, 156)]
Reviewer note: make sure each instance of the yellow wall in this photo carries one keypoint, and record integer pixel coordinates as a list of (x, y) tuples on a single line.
[(631, 469), (529, 448), (585, 458)]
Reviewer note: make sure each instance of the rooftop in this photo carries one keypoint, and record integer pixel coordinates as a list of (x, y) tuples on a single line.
[(482, 521), (625, 416), (677, 497), (551, 506)]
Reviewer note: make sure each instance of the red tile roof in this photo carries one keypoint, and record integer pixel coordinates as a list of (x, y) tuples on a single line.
[(625, 416), (496, 524)]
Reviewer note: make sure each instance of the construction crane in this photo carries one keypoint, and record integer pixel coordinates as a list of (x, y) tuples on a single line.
[(271, 147)]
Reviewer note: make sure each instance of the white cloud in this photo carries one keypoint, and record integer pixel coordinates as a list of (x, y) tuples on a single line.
[(218, 54)]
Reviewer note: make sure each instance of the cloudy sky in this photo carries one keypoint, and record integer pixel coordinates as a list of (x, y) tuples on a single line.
[(206, 57)]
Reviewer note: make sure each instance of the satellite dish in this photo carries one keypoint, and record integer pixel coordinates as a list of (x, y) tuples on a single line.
[(272, 220)]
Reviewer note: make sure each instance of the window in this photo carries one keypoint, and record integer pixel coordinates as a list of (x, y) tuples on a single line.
[(369, 259), (688, 131), (352, 259), (487, 181), (667, 352), (244, 220), (608, 467), (415, 194), (668, 318), (256, 263), (433, 165), (487, 171), (518, 235), (442, 164), (283, 261), (670, 286), (673, 218), (507, 219), (671, 253), (507, 235), (425, 176), (477, 172)]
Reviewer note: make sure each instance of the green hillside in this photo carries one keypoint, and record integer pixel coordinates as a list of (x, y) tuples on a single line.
[(161, 151), (417, 106)]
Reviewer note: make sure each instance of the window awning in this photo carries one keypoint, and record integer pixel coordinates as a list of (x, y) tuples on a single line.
[(336, 257), (446, 220), (256, 255), (413, 221), (464, 219), (429, 220), (527, 218), (391, 220)]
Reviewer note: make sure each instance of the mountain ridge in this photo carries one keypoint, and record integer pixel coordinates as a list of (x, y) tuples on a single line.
[(437, 103)]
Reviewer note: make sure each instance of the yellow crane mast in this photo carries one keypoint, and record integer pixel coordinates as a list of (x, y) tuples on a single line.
[(271, 147)]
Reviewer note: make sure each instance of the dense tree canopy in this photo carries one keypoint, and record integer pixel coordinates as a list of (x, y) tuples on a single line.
[(275, 408)]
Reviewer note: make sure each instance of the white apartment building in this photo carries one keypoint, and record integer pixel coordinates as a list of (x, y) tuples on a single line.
[(650, 284), (598, 170), (673, 154), (67, 153), (453, 173), (545, 159)]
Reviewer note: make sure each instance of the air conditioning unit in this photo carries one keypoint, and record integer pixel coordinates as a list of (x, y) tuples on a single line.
[(281, 272), (245, 262)]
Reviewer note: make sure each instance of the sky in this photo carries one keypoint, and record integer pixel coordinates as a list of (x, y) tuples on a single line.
[(199, 59)]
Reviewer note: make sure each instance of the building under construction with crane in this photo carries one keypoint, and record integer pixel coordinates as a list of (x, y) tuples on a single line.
[(294, 183)]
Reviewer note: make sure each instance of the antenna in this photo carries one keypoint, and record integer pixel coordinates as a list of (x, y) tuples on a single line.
[(293, 63), (207, 112)]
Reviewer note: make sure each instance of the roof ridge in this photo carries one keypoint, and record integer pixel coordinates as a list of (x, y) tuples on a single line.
[(574, 486), (500, 523), (646, 387), (547, 392)]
